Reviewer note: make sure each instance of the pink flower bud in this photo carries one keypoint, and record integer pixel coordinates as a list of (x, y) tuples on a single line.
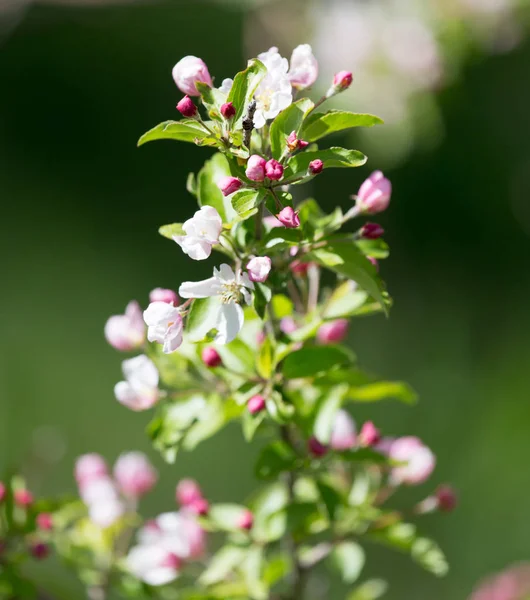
[(304, 67), (288, 325), (211, 358), (89, 467), (316, 166), (126, 332), (371, 231), (164, 295), (288, 217), (228, 110), (186, 107), (44, 521), (39, 550), (343, 434), (259, 268), (418, 461), (134, 474), (369, 435), (3, 491), (256, 168), (188, 492), (188, 71), (246, 520), (256, 404), (228, 185), (294, 143), (273, 170), (300, 268), (316, 448), (343, 80), (446, 498), (199, 507), (333, 332), (374, 194), (23, 497), (374, 262)]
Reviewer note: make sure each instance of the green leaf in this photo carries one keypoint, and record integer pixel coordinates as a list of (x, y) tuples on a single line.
[(326, 412), (404, 537), (288, 120), (375, 248), (250, 424), (369, 590), (269, 500), (262, 297), (244, 87), (348, 558), (309, 362), (319, 125), (331, 157), (282, 236), (222, 564), (383, 390), (186, 130), (277, 568), (275, 458), (245, 203), (168, 231), (344, 302), (252, 569), (330, 497), (208, 192), (237, 356), (346, 259), (212, 99), (279, 410), (282, 306), (265, 362), (226, 517), (364, 455), (202, 318)]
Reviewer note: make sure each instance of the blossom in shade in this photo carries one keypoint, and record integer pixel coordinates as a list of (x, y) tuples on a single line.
[(211, 358), (228, 184), (186, 107), (187, 492), (255, 170), (256, 404), (371, 231), (3, 491), (288, 217), (44, 521), (304, 67), (153, 564), (23, 497), (164, 295), (228, 110), (102, 500), (274, 93), (126, 332), (200, 506), (343, 433), (134, 474), (333, 331), (259, 268), (246, 520), (188, 71), (139, 391), (195, 535), (316, 448), (230, 289), (374, 194), (511, 584), (316, 166), (273, 170), (369, 434), (446, 498), (89, 467), (39, 550), (164, 325), (418, 461), (201, 232)]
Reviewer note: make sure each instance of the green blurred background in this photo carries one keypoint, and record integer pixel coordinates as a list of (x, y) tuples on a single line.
[(80, 210)]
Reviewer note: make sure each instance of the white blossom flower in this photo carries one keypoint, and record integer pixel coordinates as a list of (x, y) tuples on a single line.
[(101, 497), (274, 93), (304, 67), (126, 332), (164, 325), (226, 86), (230, 289), (139, 391), (202, 231)]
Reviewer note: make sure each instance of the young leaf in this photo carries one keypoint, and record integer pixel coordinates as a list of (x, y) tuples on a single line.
[(262, 296), (186, 130), (348, 558), (309, 362), (376, 248), (222, 564), (273, 459), (245, 202), (326, 411), (345, 258), (288, 120), (212, 99), (344, 301), (225, 517), (202, 318), (265, 361), (369, 590), (319, 125), (332, 157), (244, 87), (208, 192), (383, 390), (168, 231)]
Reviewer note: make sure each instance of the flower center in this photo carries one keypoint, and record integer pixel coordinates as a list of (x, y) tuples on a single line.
[(265, 98), (230, 292)]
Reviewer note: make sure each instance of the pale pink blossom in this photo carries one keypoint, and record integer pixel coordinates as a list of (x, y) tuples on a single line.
[(102, 500), (126, 332), (228, 184), (333, 331), (255, 170), (304, 67), (164, 295), (188, 71), (202, 231), (419, 461), (187, 492), (134, 474), (343, 433), (164, 325), (374, 194), (259, 268), (139, 391), (89, 467)]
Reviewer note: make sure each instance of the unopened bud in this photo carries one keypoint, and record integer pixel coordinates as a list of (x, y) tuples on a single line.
[(288, 217), (316, 166), (199, 507), (186, 107), (23, 497), (44, 521), (211, 358), (369, 435), (246, 520), (259, 268), (371, 231), (333, 332), (164, 295), (374, 194), (255, 170), (256, 404), (3, 491), (188, 492), (39, 550), (374, 262), (446, 498), (228, 110), (342, 80), (228, 185), (273, 170), (294, 143), (316, 448)]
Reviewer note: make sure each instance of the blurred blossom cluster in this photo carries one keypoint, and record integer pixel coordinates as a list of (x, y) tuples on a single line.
[(511, 584)]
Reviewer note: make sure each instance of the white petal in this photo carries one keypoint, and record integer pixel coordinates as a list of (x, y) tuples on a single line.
[(173, 338), (259, 118), (230, 322), (195, 247), (160, 313), (199, 289), (140, 369), (225, 273)]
